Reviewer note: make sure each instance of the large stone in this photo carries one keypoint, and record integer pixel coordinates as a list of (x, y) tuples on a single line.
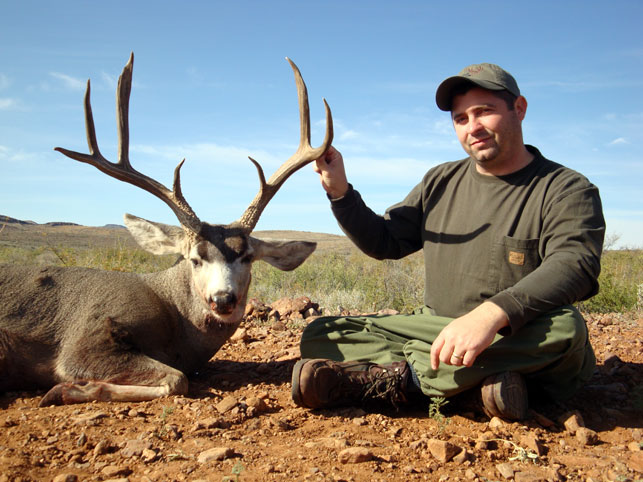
[(66, 478), (441, 450), (288, 306), (228, 403), (214, 454), (355, 455), (533, 443), (506, 470), (572, 421), (586, 436), (636, 462), (134, 448)]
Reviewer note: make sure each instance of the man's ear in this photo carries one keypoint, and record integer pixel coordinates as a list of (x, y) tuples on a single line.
[(284, 255), (156, 238), (520, 106)]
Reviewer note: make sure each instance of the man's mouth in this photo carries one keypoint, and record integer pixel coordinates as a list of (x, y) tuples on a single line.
[(479, 142)]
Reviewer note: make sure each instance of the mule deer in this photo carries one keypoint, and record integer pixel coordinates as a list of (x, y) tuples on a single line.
[(99, 335)]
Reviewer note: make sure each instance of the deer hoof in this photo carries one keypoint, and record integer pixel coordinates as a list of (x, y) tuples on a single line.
[(55, 396)]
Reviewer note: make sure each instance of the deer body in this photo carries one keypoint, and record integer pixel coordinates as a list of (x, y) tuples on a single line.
[(89, 334)]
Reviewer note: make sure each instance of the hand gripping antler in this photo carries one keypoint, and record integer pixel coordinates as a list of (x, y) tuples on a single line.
[(305, 153), (122, 170)]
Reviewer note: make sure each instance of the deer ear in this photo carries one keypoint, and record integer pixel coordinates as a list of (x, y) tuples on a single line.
[(156, 238), (284, 255)]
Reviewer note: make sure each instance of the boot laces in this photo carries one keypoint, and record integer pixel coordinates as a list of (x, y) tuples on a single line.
[(384, 386)]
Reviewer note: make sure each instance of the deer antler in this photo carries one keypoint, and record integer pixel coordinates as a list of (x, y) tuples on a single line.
[(122, 170), (305, 153)]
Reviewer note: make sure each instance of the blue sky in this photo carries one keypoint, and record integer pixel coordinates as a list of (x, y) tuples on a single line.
[(211, 85)]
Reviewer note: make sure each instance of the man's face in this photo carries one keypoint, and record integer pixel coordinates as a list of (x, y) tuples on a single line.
[(488, 131)]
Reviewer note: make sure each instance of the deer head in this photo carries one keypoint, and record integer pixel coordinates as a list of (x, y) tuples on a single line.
[(219, 256)]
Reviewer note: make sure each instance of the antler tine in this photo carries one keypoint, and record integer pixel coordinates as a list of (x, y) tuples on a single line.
[(304, 154), (123, 170)]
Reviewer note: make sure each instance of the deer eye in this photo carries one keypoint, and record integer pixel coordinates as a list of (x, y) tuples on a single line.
[(246, 258)]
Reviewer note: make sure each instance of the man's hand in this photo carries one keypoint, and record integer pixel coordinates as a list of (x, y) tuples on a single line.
[(462, 340), (330, 168)]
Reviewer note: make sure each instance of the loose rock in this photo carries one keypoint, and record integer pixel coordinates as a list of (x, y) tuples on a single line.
[(355, 455), (636, 462), (586, 436), (216, 453), (116, 471), (66, 478), (134, 448), (572, 421), (441, 450), (228, 403), (506, 470)]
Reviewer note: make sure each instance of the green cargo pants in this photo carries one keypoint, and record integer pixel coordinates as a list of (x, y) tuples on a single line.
[(552, 352)]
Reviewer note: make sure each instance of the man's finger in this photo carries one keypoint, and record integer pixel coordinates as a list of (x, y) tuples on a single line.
[(435, 352)]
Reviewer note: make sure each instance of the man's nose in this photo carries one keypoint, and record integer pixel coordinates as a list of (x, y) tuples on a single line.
[(473, 125)]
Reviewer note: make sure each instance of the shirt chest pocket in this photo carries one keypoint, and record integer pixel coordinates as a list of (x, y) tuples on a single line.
[(512, 260)]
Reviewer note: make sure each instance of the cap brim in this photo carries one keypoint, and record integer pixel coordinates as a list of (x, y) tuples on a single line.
[(444, 94)]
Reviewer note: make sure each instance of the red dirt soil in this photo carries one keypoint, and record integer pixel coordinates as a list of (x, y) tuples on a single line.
[(239, 423)]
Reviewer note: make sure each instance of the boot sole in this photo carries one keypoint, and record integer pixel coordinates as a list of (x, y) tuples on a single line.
[(505, 396), (295, 392)]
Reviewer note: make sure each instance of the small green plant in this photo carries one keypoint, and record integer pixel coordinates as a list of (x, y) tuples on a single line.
[(162, 431), (435, 411), (236, 472), (66, 256), (522, 454), (179, 456)]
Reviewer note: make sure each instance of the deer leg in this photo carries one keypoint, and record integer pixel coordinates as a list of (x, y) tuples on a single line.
[(151, 380)]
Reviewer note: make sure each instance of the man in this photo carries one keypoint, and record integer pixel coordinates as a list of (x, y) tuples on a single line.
[(510, 241)]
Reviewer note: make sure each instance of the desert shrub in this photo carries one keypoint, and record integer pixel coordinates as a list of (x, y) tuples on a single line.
[(118, 258), (621, 282), (338, 279), (19, 255), (352, 281)]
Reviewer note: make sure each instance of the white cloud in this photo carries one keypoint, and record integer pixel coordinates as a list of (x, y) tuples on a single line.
[(7, 103), (204, 152), (4, 81), (68, 81), (348, 134), (109, 80), (618, 141), (10, 155)]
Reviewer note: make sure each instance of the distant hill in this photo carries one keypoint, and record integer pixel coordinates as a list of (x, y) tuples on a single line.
[(28, 234), (8, 220)]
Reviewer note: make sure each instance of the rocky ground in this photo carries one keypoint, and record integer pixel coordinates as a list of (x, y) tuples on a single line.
[(239, 423)]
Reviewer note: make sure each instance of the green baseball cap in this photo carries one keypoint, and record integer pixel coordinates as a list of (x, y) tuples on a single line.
[(487, 76)]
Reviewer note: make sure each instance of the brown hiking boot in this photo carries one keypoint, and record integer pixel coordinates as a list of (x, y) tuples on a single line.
[(504, 395), (318, 383)]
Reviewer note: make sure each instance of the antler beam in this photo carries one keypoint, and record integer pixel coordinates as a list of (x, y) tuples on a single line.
[(304, 154), (123, 170)]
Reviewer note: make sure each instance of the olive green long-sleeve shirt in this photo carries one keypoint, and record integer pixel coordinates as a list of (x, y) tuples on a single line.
[(529, 242)]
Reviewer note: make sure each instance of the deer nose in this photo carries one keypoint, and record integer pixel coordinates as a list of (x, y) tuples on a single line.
[(223, 303)]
